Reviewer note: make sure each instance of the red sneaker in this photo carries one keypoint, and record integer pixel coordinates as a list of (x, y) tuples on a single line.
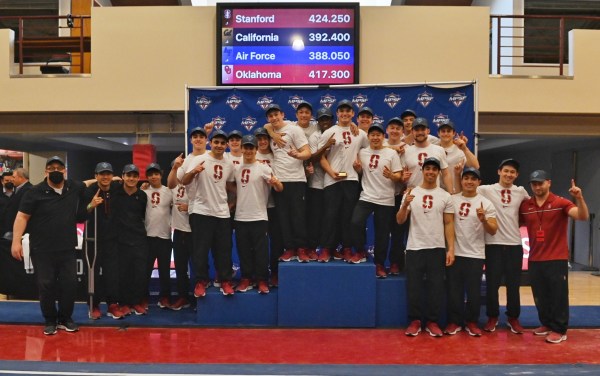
[(179, 304), (95, 313), (491, 324), (359, 256), (515, 325), (245, 285), (139, 309), (200, 289), (452, 329), (125, 310), (394, 269), (433, 329), (347, 254), (325, 256), (163, 303), (288, 255), (414, 328), (473, 329), (263, 287), (554, 337), (380, 271), (312, 254), (226, 288), (114, 311), (337, 255), (542, 331), (303, 255)]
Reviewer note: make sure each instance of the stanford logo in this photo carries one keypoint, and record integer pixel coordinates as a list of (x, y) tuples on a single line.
[(425, 98), (392, 100), (377, 120), (248, 122), (440, 119), (233, 101), (360, 100), (295, 100), (203, 102), (219, 122), (327, 100), (457, 98), (227, 14), (264, 102)]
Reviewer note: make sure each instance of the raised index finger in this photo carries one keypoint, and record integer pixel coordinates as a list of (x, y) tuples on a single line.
[(97, 193), (572, 183)]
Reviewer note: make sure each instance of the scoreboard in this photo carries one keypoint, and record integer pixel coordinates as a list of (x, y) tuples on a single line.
[(292, 44)]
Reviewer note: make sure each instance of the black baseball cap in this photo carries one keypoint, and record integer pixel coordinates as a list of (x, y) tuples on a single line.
[(130, 168), (511, 162), (420, 122), (324, 112), (218, 133), (261, 132), (433, 161), (408, 112), (396, 120), (153, 166), (249, 140), (234, 133), (367, 110), (539, 176), (104, 167), (54, 159), (7, 172), (344, 103), (272, 107), (376, 127), (472, 171), (448, 123), (198, 130), (304, 104)]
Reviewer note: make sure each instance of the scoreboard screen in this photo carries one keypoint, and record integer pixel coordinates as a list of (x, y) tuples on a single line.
[(287, 44)]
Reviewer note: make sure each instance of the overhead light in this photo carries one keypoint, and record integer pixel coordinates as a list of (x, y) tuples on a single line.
[(298, 44)]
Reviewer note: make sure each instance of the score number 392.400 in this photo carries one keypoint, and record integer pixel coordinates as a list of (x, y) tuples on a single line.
[(329, 74)]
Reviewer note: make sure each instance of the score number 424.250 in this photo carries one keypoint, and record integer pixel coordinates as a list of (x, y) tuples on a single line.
[(330, 18)]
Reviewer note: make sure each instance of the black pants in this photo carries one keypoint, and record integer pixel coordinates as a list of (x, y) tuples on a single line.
[(339, 201), (291, 210), (507, 261), (160, 249), (133, 272), (57, 280), (381, 217), (182, 252), (275, 240), (399, 236), (464, 276), (13, 278), (253, 249), (550, 287), (428, 264), (215, 236), (314, 205)]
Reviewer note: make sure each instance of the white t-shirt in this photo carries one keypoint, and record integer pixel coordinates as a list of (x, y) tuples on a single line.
[(399, 186), (414, 157), (308, 131), (268, 160), (507, 202), (158, 212), (235, 160), (316, 180), (427, 218), (468, 229), (210, 186), (454, 156), (190, 160), (378, 189), (180, 220), (286, 168), (343, 153), (252, 191)]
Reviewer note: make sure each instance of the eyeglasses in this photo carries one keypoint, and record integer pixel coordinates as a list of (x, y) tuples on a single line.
[(58, 168)]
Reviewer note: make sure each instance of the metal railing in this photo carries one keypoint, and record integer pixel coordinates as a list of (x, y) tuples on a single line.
[(37, 49), (531, 44)]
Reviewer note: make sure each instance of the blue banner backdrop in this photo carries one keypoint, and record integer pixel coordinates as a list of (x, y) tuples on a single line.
[(243, 108)]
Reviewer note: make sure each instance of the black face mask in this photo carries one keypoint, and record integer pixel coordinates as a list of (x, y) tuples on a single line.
[(56, 177), (10, 185)]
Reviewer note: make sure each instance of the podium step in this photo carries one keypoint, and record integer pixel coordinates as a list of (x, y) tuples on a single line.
[(333, 294), (391, 302)]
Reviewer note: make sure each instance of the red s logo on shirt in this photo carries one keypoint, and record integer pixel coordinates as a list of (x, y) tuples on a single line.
[(347, 138), (218, 175), (421, 157), (180, 191), (427, 202), (505, 196), (374, 162), (245, 176), (464, 209), (155, 199)]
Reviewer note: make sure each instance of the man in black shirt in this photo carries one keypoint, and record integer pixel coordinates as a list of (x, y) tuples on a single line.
[(50, 212)]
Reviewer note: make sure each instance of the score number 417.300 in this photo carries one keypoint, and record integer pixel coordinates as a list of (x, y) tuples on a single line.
[(329, 74)]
